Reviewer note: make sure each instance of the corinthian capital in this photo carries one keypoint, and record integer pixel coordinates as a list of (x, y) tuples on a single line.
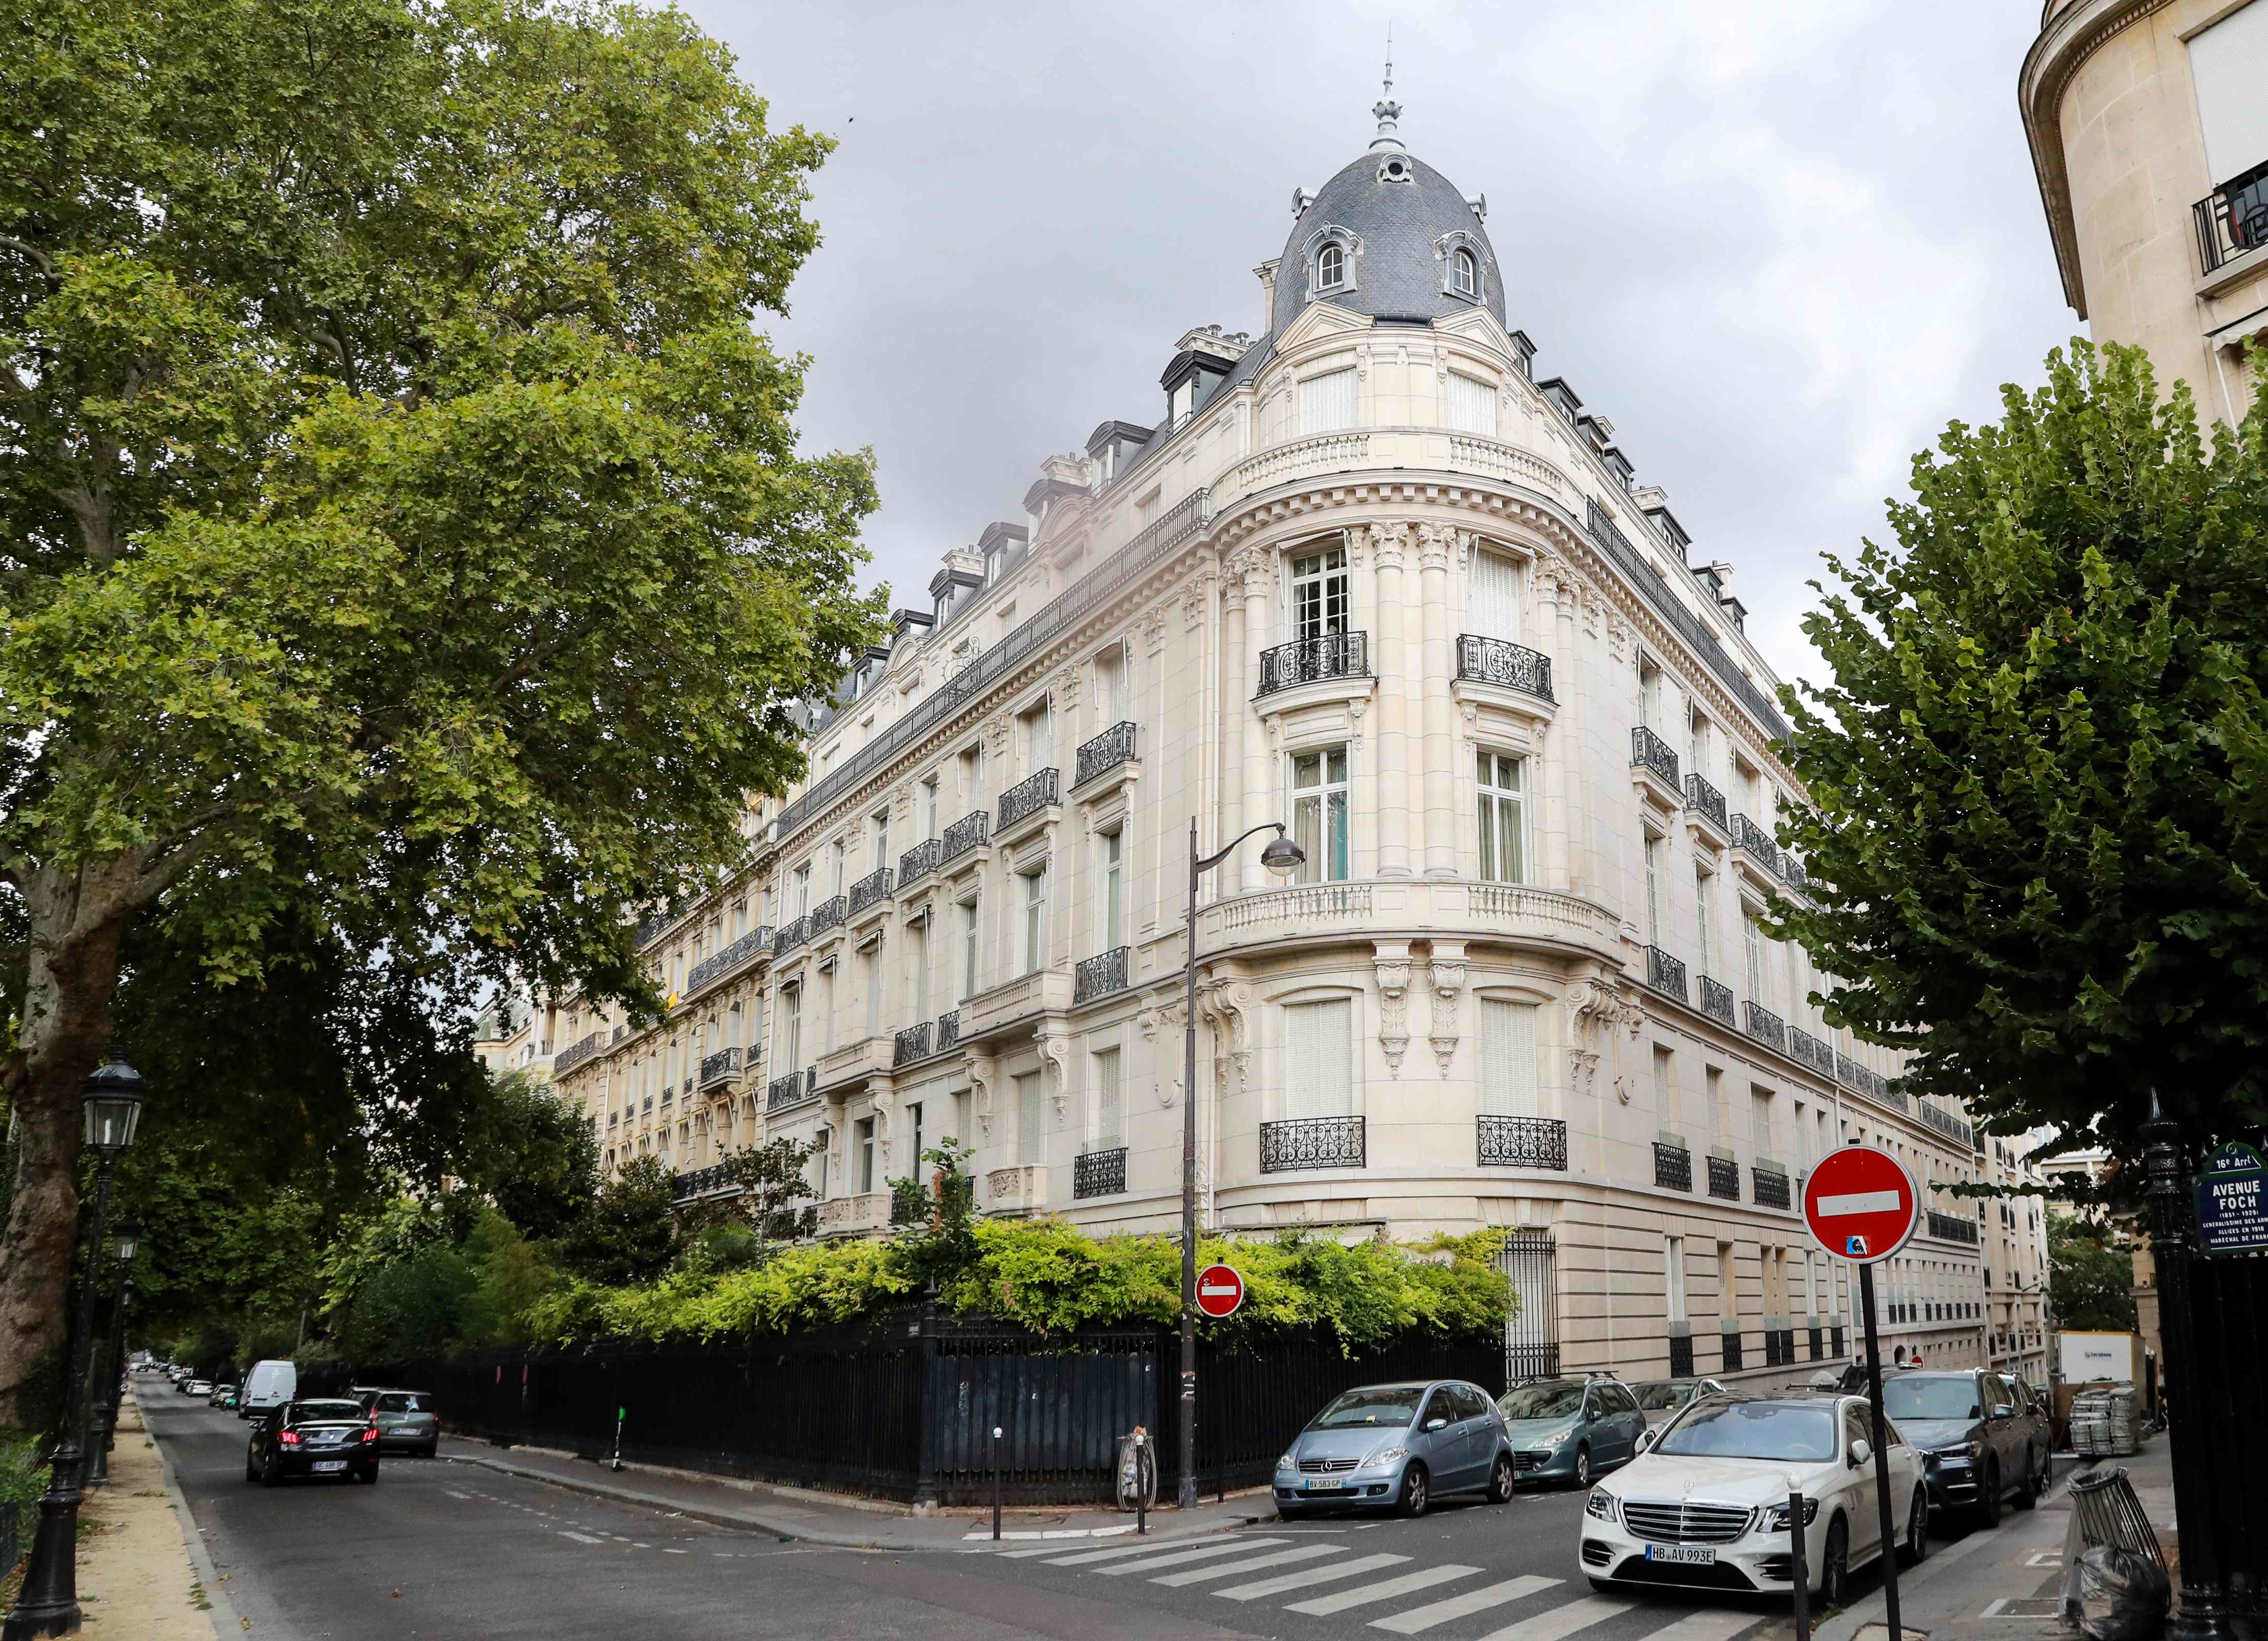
[(1391, 543), (1435, 544)]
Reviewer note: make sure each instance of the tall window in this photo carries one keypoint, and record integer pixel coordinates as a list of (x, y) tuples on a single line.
[(1493, 597), (1472, 405), (972, 778), (1503, 832), (863, 1144), (1318, 814), (878, 825), (1322, 1058), (837, 857), (1035, 920), (1649, 694), (790, 1030), (1318, 593), (1327, 401), (917, 959), (1507, 1059), (1113, 872), (914, 1138), (1696, 745), (1760, 1121), (969, 965), (827, 1038), (1106, 1100), (1754, 940), (1039, 739), (1665, 1090), (802, 902), (870, 977), (1027, 1117), (929, 809), (1703, 884), (1673, 1266), (1656, 846)]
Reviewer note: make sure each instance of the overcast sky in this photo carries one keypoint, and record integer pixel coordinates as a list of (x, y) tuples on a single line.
[(1779, 243)]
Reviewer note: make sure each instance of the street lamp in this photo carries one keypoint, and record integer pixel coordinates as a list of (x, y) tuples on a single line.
[(47, 1604), (1283, 857), (123, 1242)]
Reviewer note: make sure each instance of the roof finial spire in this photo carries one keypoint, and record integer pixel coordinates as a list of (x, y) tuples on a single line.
[(1388, 110)]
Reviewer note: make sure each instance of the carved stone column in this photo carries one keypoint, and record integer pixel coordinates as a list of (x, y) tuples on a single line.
[(1259, 576), (1390, 961), (1391, 543), (1435, 544), (1445, 974), (1238, 670)]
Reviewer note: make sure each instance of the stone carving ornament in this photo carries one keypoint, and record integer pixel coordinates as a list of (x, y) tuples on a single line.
[(1393, 971), (1445, 972), (1391, 543)]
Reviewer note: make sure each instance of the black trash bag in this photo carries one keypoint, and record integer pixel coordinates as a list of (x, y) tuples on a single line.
[(2123, 1594)]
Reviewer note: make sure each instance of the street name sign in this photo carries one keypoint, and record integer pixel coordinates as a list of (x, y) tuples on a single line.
[(1861, 1203), (1219, 1290), (2232, 1201)]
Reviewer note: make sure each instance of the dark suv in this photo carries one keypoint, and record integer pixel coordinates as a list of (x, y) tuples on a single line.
[(1982, 1438)]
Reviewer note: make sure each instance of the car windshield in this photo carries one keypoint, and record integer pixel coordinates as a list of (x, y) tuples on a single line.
[(1663, 1394), (1914, 1397), (1542, 1401), (1384, 1404), (1755, 1430), (319, 1410)]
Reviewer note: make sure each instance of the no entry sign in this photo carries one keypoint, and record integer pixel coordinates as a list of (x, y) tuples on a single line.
[(1861, 1204), (1219, 1290)]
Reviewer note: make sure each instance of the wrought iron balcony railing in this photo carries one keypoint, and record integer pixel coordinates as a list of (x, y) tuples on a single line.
[(918, 862), (789, 936), (1952, 1228), (1725, 1179), (1498, 660), (1762, 1024), (722, 962), (1100, 975), (1753, 838), (1811, 1051), (873, 887), (1768, 1186), (1107, 751), (1673, 1166), (912, 1044), (791, 1089), (1665, 974), (829, 913), (1717, 1001), (1792, 870), (721, 1067), (568, 1059), (1306, 660), (1027, 797), (1649, 751), (970, 831), (1523, 1142), (1951, 1127), (2232, 220), (1706, 799), (1099, 1173), (703, 1181), (1312, 1143), (948, 1030)]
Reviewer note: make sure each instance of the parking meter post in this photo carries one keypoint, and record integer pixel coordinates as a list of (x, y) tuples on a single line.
[(996, 1482), (1880, 1455), (1796, 1570)]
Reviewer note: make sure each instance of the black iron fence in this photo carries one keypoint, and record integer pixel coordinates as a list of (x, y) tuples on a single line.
[(1107, 751), (1530, 1263), (1312, 1143), (1704, 798), (1680, 1356), (1649, 751), (918, 862), (1100, 975), (966, 833), (1770, 1186), (1730, 1342), (873, 887), (1304, 661), (1725, 1179), (1523, 1142), (1673, 1166), (1099, 1173), (1665, 974), (1496, 661), (2232, 220), (1717, 1000), (1027, 797), (912, 1044), (1762, 1024)]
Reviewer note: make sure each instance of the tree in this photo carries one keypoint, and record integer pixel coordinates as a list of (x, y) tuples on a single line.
[(2039, 838), (532, 1150), (2090, 1279), (772, 1180), (627, 1233), (401, 525)]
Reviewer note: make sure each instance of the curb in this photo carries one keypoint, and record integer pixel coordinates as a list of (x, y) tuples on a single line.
[(1875, 1610), (226, 1623)]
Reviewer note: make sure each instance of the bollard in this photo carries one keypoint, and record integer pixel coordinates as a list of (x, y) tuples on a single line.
[(1797, 1570), (619, 1415), (1141, 1487), (995, 1483)]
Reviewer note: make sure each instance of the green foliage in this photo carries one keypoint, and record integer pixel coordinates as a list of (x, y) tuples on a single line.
[(533, 1152), (939, 1241), (509, 1275), (626, 1234), (2090, 1277), (412, 1311), (23, 1475), (773, 1179), (2041, 773)]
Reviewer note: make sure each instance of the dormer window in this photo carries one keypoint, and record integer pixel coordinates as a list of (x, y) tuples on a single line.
[(1330, 268), (1462, 256), (1465, 274)]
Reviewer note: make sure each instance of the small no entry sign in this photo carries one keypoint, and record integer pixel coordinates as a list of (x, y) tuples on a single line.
[(1219, 1290), (1861, 1204)]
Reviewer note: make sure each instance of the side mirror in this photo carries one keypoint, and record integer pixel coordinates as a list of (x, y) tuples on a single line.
[(1645, 1440), (1860, 1453), (2004, 1411), (1437, 1425)]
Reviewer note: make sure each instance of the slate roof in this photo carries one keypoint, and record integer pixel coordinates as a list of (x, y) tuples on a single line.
[(1397, 275)]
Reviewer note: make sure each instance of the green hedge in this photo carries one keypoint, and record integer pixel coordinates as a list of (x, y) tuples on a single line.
[(22, 1476)]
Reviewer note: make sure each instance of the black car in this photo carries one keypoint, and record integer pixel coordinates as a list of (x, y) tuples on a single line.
[(313, 1438), (1982, 1440)]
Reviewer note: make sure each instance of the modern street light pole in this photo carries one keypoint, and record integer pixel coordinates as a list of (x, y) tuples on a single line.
[(105, 1395), (47, 1605), (1282, 857)]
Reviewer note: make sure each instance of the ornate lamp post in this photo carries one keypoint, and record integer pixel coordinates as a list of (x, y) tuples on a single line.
[(49, 1602), (123, 1242), (1282, 857)]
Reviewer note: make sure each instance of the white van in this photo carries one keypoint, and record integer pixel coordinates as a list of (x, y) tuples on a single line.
[(267, 1387)]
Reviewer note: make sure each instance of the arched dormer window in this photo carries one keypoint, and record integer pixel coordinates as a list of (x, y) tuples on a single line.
[(1330, 268), (1332, 254), (1465, 273), (1464, 261)]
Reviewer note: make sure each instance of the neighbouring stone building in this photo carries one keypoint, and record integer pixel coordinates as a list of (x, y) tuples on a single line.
[(1365, 574)]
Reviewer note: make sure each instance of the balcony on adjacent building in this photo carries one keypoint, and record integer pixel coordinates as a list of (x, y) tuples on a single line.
[(1673, 1166), (721, 1180), (1311, 659), (1951, 1127), (1523, 1142), (1505, 664), (1021, 1189), (1650, 751), (873, 887), (721, 1068), (1099, 1173), (1299, 1143), (1098, 976), (1754, 841), (1768, 1186), (1952, 1228), (948, 1030), (791, 1089), (1665, 974), (918, 862), (1717, 1001), (1114, 747), (1026, 798), (1705, 801), (788, 936), (912, 1045), (1762, 1024), (2232, 221), (971, 831), (1811, 1051), (1724, 1180), (568, 1059), (828, 915), (867, 1212)]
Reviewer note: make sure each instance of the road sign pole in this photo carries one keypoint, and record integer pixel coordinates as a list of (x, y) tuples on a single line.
[(1798, 1571), (1881, 1456)]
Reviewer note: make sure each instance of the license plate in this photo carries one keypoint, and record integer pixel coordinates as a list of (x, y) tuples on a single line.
[(1324, 1482), (322, 1465), (1683, 1554)]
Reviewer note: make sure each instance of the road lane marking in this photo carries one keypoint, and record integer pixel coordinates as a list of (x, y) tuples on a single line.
[(1181, 1556), (1274, 1558), (1301, 1579), (1089, 1557), (1062, 1533), (453, 1493), (1709, 1624), (1424, 1578), (1564, 1620), (667, 1551), (582, 1538), (1419, 1618)]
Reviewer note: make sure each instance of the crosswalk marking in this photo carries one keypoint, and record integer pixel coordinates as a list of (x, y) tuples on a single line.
[(1709, 1624), (1180, 1557), (1025, 1552), (1424, 1578), (1565, 1621), (1083, 1559), (1277, 1559), (582, 1538), (1421, 1618), (1301, 1579)]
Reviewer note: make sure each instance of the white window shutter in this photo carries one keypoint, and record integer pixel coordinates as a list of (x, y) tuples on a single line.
[(1507, 1059), (1322, 1058), (1472, 405), (1106, 1100), (1327, 401), (1027, 1117), (2226, 62), (1494, 596)]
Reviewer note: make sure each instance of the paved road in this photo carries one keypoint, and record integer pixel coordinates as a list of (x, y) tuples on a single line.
[(443, 1549)]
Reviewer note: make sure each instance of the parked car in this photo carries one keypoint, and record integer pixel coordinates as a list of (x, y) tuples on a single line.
[(269, 1387), (313, 1437), (223, 1396), (1659, 1397), (1982, 1439), (406, 1419), (197, 1387), (1706, 1503), (1397, 1447), (1571, 1429)]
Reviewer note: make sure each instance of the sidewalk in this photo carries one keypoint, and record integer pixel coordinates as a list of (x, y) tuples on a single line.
[(139, 1580), (789, 1513)]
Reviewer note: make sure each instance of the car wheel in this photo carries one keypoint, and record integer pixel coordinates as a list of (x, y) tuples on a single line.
[(1604, 1587), (1989, 1505), (1917, 1550), (1583, 1465), (1500, 1481), (369, 1477), (433, 1448), (269, 1476), (2029, 1491), (1835, 1565), (1416, 1492), (251, 1468)]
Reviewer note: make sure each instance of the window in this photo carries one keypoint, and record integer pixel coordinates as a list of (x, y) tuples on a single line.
[(1330, 267), (1703, 884), (827, 1038), (917, 959), (914, 1138), (863, 1148), (1113, 873), (1755, 939), (1318, 593), (1696, 745), (1322, 1058), (1760, 1123), (1318, 814), (1503, 831), (1493, 597), (878, 826), (1027, 1117), (1110, 685), (1656, 846), (1037, 733), (838, 855), (1665, 1090), (1472, 405), (972, 778), (968, 965), (1649, 694), (802, 881), (2225, 63), (1327, 401), (1106, 1100), (1673, 1260), (1507, 1059), (790, 1030), (1035, 920), (1465, 274), (870, 979), (928, 808)]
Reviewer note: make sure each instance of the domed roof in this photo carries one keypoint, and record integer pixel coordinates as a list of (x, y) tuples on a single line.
[(1405, 220)]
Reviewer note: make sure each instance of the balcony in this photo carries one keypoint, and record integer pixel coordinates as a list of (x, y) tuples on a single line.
[(1717, 1001), (2232, 221), (948, 1030), (1792, 870), (1673, 1166), (969, 833), (868, 889), (1811, 1051), (857, 1216), (1015, 1002), (1111, 749), (789, 936), (918, 862), (1952, 1127), (1026, 798), (720, 1068), (1665, 974), (783, 1093), (1649, 751), (1706, 802), (568, 1059), (1022, 1189), (1507, 665), (1312, 1143), (1724, 1180), (1523, 1142), (1311, 659), (1099, 1173), (700, 1182), (726, 959), (1768, 1186), (828, 915), (912, 1045), (1754, 841), (1762, 1024), (1099, 976)]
